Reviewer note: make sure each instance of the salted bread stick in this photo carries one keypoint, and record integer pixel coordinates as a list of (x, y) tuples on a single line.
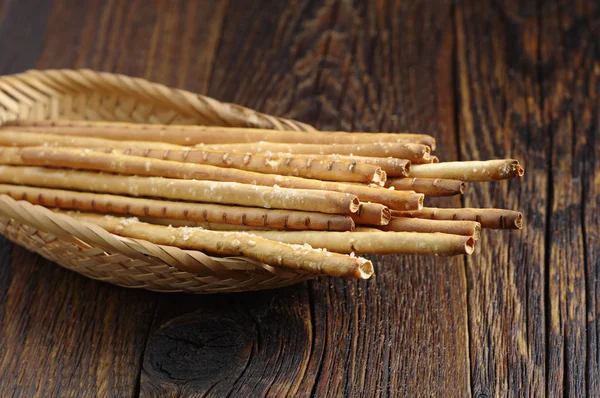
[(235, 244), (393, 167), (295, 165), (248, 217), (115, 163), (190, 190), (372, 214), (13, 138), (407, 224), (488, 170), (409, 151), (191, 135), (201, 224), (489, 218), (428, 186), (437, 244)]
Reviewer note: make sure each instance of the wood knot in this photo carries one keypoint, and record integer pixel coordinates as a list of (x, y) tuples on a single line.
[(200, 347)]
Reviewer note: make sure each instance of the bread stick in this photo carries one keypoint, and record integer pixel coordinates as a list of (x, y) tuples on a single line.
[(235, 244), (428, 186), (12, 138), (437, 244), (453, 227), (407, 151), (249, 217), (293, 165), (189, 190), (487, 170), (489, 218), (211, 226), (191, 135), (393, 167), (372, 214)]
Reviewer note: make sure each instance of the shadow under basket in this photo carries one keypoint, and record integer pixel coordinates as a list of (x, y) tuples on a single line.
[(94, 252)]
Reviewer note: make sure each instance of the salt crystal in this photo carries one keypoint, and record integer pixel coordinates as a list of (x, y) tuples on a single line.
[(186, 232), (273, 163), (128, 221)]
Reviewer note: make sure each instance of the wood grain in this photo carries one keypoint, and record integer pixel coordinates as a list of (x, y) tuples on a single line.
[(62, 333), (570, 61), (501, 116)]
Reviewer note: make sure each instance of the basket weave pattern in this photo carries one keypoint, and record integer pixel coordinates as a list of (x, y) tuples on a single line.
[(92, 251)]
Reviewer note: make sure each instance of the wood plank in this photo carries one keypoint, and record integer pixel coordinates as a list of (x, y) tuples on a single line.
[(340, 66), (570, 60), (501, 116)]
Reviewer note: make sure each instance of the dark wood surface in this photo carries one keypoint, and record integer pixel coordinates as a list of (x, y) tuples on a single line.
[(487, 78)]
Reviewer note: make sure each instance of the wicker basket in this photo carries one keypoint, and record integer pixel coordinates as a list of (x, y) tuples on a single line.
[(90, 250)]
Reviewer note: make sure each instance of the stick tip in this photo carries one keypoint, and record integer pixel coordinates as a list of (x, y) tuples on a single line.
[(386, 216), (420, 200), (470, 246), (364, 270), (354, 205), (477, 231), (462, 187), (379, 177), (519, 221)]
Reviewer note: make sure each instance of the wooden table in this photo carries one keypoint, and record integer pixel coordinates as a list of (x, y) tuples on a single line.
[(488, 78)]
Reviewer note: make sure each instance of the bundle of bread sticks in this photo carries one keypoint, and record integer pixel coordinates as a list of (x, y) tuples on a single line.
[(304, 200)]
